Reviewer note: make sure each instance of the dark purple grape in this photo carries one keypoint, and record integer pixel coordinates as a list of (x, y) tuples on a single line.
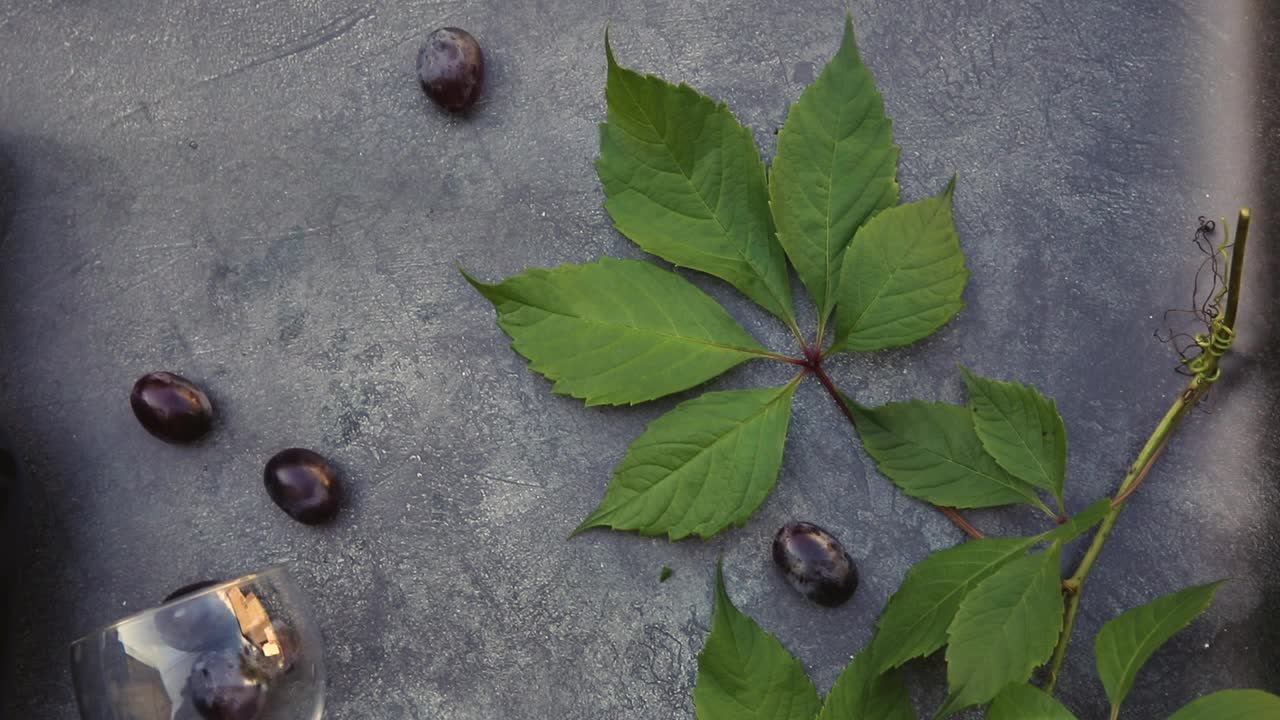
[(223, 686), (170, 407), (304, 485), (451, 68), (815, 563), (199, 623)]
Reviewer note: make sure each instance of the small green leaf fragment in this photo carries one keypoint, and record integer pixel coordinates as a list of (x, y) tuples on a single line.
[(666, 574), (683, 179), (861, 693), (931, 451), (915, 620), (700, 468), (834, 169), (1231, 705), (1021, 429), (1024, 702), (744, 673), (902, 277), (1128, 640), (617, 332), (1005, 628)]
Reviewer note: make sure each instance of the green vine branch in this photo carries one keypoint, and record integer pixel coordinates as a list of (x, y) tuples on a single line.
[(1213, 345), (625, 331)]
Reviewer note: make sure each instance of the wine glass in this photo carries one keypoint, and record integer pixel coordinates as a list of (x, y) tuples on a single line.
[(245, 649)]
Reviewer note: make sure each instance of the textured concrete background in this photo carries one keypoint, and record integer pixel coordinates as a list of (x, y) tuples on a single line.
[(258, 196)]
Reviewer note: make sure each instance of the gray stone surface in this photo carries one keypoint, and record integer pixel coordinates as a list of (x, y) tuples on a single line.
[(258, 195)]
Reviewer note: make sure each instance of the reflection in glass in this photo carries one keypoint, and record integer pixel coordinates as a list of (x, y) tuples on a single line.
[(240, 650)]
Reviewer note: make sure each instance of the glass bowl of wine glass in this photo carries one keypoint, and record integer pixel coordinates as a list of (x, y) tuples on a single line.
[(244, 649)]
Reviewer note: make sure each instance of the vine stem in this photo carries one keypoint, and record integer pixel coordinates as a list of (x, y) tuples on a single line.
[(1073, 586), (961, 521), (784, 358), (795, 330), (814, 365)]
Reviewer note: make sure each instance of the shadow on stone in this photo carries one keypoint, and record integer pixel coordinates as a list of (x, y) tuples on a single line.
[(8, 194)]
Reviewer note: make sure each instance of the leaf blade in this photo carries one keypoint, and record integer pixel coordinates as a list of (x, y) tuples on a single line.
[(902, 277), (834, 168), (862, 692), (931, 452), (1231, 705), (584, 326), (915, 619), (696, 199), (1021, 429), (1128, 640), (700, 468), (1024, 702), (1006, 627), (744, 673)]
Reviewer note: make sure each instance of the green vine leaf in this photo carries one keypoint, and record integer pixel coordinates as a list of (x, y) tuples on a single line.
[(931, 451), (705, 465), (1024, 702), (617, 332), (1232, 705), (862, 693), (744, 673), (834, 169), (1126, 642), (915, 620), (1021, 429), (902, 277), (683, 180), (1005, 628)]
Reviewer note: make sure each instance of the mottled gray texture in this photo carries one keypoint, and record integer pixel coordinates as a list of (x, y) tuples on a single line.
[(258, 196)]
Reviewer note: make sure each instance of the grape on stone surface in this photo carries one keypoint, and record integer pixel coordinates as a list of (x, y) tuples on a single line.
[(451, 68), (303, 484), (171, 407), (815, 563)]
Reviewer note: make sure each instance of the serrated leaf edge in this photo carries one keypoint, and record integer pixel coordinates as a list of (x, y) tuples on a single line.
[(973, 386), (1014, 552), (597, 517), (785, 309), (1026, 491), (1052, 560), (1140, 658), (848, 44)]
